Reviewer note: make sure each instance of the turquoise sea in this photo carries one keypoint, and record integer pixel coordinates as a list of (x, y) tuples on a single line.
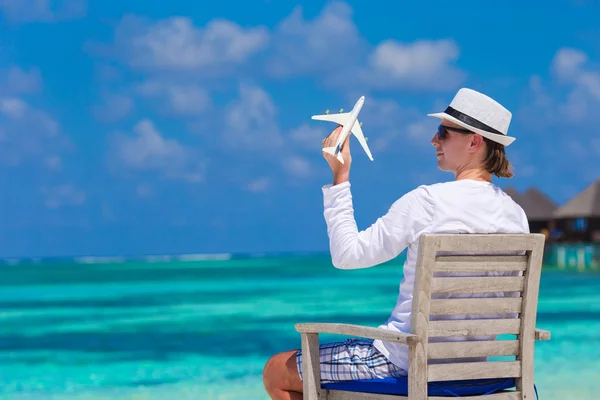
[(193, 328)]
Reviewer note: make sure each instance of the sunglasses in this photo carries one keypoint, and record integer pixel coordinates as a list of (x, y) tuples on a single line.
[(442, 131)]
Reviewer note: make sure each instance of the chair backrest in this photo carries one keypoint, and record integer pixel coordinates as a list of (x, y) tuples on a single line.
[(469, 288)]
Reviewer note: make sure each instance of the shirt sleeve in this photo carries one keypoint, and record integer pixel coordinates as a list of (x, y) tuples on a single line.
[(404, 222)]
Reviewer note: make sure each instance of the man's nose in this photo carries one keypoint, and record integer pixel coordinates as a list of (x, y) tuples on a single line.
[(435, 141)]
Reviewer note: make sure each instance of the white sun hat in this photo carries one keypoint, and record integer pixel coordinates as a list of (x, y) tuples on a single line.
[(480, 114)]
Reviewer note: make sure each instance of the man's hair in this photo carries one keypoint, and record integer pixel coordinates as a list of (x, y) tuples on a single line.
[(495, 161)]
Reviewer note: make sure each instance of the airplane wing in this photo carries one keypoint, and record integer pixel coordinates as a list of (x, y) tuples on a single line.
[(340, 118), (357, 131)]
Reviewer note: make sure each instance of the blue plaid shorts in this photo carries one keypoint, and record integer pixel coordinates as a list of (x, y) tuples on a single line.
[(350, 360)]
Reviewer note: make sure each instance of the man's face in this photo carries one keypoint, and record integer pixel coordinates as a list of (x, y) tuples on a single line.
[(455, 149)]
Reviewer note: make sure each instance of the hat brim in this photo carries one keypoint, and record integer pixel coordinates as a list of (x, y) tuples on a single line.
[(502, 139)]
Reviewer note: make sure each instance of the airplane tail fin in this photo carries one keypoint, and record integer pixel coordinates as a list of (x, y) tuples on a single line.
[(331, 150)]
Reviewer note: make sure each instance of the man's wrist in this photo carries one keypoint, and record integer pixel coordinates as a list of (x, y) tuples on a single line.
[(341, 177)]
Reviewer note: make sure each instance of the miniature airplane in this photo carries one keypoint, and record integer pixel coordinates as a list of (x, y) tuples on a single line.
[(350, 123)]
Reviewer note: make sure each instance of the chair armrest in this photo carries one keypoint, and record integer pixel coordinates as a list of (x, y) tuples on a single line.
[(357, 330), (542, 335)]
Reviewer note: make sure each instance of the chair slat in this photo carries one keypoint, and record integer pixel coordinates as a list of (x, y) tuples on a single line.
[(474, 327), (513, 395), (475, 306), (485, 242), (475, 370), (480, 263), (461, 285), (479, 348), (343, 395)]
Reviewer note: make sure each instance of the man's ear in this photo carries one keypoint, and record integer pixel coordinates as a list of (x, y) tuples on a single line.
[(476, 143)]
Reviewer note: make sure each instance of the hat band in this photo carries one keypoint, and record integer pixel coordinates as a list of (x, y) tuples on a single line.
[(471, 121)]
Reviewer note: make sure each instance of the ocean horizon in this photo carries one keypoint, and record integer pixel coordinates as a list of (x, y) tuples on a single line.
[(200, 326), (153, 257)]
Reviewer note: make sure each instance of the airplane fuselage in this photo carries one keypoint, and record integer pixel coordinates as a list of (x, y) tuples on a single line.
[(347, 127), (350, 125)]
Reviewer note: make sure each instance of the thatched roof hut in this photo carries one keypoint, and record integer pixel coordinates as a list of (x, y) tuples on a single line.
[(512, 192), (579, 218), (537, 206), (586, 204)]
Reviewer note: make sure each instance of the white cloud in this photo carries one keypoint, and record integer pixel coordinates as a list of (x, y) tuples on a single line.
[(309, 137), (250, 121), (53, 163), (563, 108), (27, 133), (17, 110), (325, 43), (176, 63), (177, 98), (148, 150), (13, 107), (575, 74), (251, 126), (42, 10), (259, 185), (583, 149), (63, 195), (591, 82), (114, 107), (541, 97), (572, 68), (297, 166), (177, 44), (328, 44), (17, 81), (567, 63), (424, 64), (331, 45)]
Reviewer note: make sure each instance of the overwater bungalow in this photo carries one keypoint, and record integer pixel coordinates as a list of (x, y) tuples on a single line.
[(579, 218), (538, 207)]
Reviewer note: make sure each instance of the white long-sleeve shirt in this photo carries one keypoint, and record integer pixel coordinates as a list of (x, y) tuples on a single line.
[(463, 206)]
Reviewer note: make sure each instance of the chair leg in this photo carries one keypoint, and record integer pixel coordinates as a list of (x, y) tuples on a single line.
[(311, 369), (417, 372)]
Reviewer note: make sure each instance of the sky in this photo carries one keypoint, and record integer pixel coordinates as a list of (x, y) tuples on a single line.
[(145, 127)]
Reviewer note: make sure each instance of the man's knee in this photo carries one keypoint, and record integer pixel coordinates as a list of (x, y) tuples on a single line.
[(270, 369), (280, 372), (276, 366)]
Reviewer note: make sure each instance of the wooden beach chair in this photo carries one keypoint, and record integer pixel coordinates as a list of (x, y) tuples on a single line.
[(505, 378)]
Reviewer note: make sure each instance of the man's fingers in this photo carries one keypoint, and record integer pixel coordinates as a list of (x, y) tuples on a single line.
[(332, 138)]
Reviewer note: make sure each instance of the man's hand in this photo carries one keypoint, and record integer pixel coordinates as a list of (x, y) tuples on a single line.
[(341, 172)]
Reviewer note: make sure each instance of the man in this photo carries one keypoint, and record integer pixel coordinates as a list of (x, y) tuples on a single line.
[(470, 142)]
